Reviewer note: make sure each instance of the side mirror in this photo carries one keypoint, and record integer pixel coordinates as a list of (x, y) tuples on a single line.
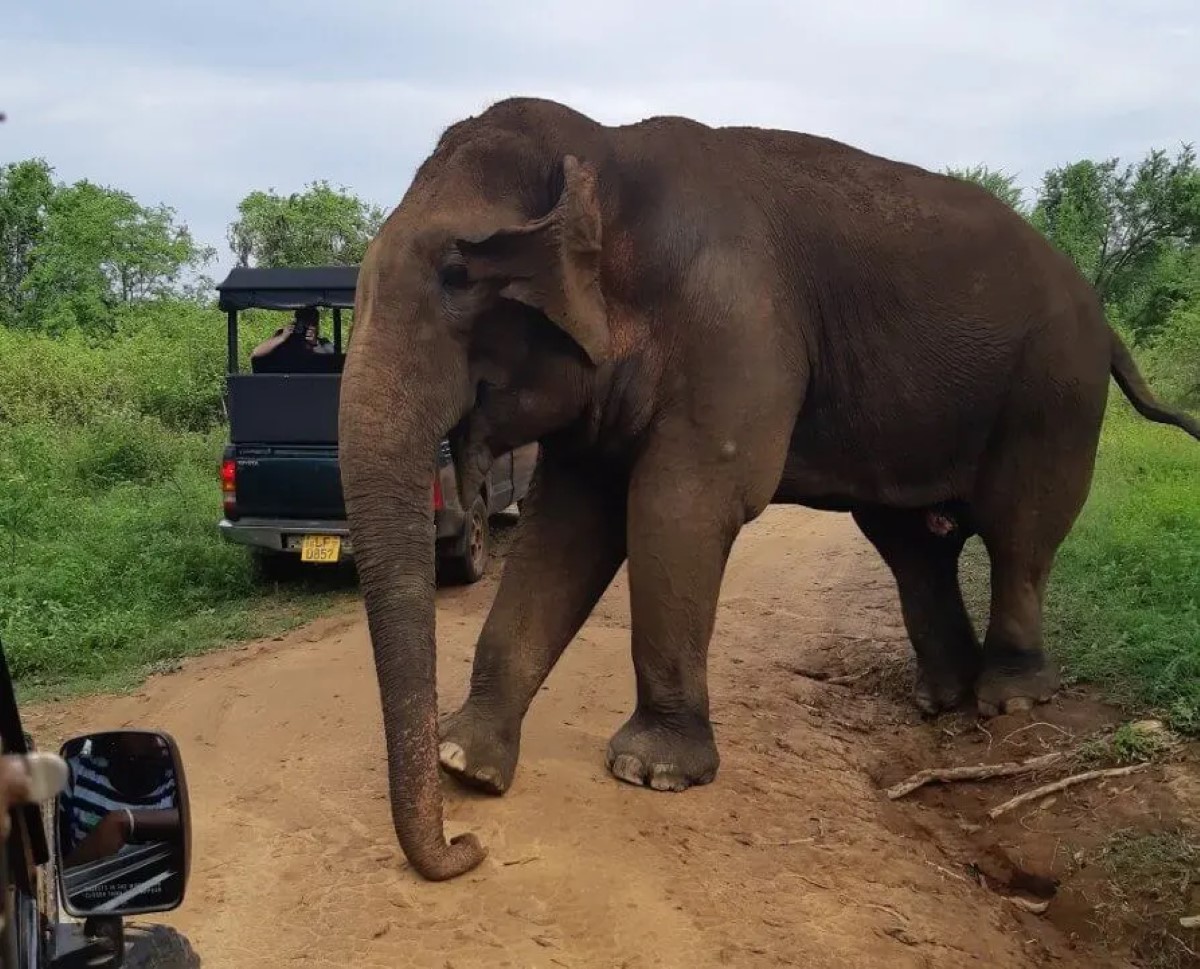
[(122, 825)]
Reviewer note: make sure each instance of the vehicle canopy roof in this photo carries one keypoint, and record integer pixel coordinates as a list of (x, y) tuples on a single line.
[(250, 287)]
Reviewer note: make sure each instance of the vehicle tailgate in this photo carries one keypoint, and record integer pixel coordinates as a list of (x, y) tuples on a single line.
[(289, 482)]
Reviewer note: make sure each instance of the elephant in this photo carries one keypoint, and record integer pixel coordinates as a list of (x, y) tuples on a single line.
[(693, 323)]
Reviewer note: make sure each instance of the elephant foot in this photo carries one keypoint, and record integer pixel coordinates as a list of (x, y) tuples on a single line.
[(934, 695), (663, 755), (944, 689), (478, 751), (1016, 687)]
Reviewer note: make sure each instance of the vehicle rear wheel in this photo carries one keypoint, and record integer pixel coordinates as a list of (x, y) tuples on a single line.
[(158, 947), (469, 563), (276, 566)]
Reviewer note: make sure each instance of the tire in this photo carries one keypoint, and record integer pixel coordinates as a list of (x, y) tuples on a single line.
[(276, 566), (470, 560), (158, 947)]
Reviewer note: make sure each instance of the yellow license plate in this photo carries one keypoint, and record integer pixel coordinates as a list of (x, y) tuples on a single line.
[(320, 548)]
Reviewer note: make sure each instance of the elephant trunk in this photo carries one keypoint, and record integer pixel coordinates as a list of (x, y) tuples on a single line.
[(387, 475)]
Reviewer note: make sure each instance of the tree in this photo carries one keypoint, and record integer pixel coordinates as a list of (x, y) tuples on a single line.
[(1151, 297), (319, 226), (99, 250), (1000, 184), (1116, 225), (25, 191)]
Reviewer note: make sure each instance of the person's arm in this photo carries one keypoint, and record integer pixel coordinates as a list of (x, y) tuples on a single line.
[(272, 342), (29, 779), (114, 831), (159, 825), (14, 788)]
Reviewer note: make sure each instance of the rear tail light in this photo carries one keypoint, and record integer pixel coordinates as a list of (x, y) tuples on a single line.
[(229, 485), (438, 501)]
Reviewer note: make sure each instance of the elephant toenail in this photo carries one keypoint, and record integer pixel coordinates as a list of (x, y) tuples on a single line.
[(1019, 704), (664, 777), (490, 776), (452, 756), (628, 768)]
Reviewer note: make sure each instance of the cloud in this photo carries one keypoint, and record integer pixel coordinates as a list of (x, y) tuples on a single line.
[(196, 105)]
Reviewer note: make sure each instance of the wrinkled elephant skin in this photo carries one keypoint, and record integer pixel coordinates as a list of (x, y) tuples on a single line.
[(695, 323)]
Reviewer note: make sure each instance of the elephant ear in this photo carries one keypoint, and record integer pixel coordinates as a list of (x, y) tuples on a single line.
[(553, 263)]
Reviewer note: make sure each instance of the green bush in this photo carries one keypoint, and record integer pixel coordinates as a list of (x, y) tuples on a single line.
[(1174, 358), (123, 449), (109, 497), (165, 360)]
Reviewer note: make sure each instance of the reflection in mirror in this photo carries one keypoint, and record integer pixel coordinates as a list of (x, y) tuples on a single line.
[(121, 844)]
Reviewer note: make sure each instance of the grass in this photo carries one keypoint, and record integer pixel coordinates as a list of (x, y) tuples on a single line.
[(110, 561), (1130, 743), (1123, 605), (111, 558), (1152, 881)]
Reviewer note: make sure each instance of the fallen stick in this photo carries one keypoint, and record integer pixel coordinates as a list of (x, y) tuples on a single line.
[(1061, 785), (979, 772), (1034, 908)]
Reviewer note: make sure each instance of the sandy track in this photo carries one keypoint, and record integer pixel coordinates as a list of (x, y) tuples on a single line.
[(793, 857)]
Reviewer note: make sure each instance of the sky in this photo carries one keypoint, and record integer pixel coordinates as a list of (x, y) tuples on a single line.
[(198, 104)]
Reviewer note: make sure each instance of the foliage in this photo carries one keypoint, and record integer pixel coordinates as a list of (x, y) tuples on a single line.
[(164, 358), (1153, 300), (75, 254), (110, 558), (1000, 184), (317, 227), (25, 191), (1116, 223), (1175, 356), (1130, 743)]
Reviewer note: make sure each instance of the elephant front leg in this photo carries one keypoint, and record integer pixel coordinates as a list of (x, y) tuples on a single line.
[(681, 527), (569, 546)]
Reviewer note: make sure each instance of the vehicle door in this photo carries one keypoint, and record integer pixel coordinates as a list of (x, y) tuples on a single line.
[(524, 463)]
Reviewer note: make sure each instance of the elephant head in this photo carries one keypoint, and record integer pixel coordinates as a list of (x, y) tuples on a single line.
[(479, 315)]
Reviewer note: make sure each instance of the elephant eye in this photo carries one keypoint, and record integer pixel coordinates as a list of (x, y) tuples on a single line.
[(454, 275)]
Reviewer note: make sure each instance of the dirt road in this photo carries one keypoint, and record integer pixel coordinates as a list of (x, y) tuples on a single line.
[(793, 857)]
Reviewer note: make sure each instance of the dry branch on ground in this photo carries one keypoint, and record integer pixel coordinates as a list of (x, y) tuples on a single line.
[(1061, 785), (978, 772)]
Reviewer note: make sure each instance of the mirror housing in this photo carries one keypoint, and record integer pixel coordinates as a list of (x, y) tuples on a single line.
[(122, 825)]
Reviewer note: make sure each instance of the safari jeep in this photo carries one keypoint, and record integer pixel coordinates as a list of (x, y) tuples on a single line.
[(280, 480), (74, 869)]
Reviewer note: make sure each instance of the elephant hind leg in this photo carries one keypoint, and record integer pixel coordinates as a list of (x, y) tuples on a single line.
[(1023, 514), (1017, 673), (922, 549)]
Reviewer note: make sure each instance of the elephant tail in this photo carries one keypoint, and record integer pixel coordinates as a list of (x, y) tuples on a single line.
[(1133, 386)]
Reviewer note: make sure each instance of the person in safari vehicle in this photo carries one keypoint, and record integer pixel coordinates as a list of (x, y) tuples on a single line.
[(297, 339)]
